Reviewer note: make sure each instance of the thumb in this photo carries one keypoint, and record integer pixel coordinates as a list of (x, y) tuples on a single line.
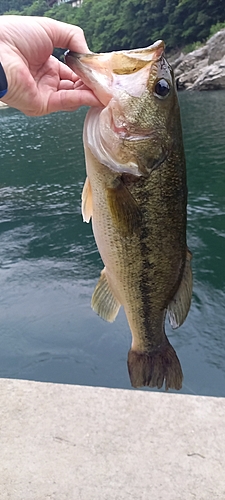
[(65, 36)]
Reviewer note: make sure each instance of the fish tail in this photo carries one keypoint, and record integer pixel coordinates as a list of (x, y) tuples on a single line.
[(152, 368)]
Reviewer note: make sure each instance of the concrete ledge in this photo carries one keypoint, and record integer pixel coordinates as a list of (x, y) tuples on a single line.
[(84, 443)]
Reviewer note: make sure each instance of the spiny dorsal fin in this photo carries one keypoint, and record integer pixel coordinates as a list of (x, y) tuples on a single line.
[(124, 209), (87, 201), (180, 305), (104, 302)]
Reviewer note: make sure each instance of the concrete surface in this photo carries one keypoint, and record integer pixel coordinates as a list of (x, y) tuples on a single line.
[(84, 443)]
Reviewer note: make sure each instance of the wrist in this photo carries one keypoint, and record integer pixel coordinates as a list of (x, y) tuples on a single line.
[(3, 82)]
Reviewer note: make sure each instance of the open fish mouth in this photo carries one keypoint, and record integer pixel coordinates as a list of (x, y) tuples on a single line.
[(120, 80), (107, 74)]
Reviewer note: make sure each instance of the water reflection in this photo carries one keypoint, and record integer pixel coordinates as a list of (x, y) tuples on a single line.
[(204, 127), (49, 263)]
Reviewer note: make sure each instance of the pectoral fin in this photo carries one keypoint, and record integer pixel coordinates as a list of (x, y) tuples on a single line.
[(124, 209), (180, 305), (104, 302), (87, 201)]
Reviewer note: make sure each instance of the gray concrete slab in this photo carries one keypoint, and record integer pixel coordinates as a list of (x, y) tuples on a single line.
[(64, 442)]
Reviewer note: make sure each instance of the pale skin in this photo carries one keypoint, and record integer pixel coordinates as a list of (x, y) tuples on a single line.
[(38, 83)]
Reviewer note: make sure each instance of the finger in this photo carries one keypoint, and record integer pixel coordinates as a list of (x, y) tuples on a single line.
[(69, 100), (65, 35), (66, 73), (80, 85), (66, 85)]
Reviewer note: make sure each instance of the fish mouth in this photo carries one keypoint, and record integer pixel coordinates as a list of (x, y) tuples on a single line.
[(108, 74), (98, 82), (118, 80)]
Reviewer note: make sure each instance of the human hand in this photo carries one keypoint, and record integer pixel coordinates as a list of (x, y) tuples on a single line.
[(38, 83)]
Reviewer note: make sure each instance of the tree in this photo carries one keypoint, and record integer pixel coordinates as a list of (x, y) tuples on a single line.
[(116, 24)]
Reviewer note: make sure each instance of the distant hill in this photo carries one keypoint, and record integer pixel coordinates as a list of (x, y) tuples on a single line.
[(117, 24), (19, 5)]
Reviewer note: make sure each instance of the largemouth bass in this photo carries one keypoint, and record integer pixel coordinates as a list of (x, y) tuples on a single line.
[(136, 195)]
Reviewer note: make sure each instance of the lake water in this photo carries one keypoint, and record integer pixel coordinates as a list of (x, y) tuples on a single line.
[(49, 263)]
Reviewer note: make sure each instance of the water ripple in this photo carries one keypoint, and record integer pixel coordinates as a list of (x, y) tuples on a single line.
[(49, 263)]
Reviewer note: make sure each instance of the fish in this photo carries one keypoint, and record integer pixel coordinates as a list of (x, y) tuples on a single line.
[(136, 195)]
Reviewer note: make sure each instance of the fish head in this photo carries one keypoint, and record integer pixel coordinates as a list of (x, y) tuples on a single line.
[(136, 127)]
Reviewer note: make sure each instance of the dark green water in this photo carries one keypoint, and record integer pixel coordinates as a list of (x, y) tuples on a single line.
[(49, 263)]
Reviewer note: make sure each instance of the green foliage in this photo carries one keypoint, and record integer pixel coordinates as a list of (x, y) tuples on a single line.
[(12, 13), (37, 8), (216, 27), (191, 47), (113, 25), (63, 12), (13, 5)]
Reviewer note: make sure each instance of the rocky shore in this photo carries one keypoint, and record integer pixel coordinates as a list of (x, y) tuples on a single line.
[(204, 68)]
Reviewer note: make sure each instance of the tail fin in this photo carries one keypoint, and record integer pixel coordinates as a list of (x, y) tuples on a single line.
[(152, 368)]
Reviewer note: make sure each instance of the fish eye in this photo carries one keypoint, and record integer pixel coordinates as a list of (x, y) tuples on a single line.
[(162, 88)]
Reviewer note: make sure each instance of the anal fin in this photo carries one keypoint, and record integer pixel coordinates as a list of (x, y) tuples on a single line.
[(104, 302), (181, 302), (87, 201)]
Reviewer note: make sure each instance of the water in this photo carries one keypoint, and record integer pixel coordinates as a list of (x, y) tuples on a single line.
[(49, 263)]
